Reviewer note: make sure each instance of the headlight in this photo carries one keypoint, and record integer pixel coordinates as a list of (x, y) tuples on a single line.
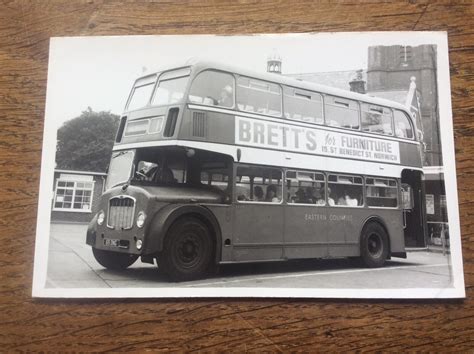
[(139, 244), (141, 219), (100, 217)]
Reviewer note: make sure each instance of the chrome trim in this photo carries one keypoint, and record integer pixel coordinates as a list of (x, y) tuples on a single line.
[(133, 211)]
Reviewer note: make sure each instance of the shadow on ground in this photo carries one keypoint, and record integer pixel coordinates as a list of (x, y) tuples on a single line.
[(230, 271)]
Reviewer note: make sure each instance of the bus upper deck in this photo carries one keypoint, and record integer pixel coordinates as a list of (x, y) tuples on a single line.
[(208, 104)]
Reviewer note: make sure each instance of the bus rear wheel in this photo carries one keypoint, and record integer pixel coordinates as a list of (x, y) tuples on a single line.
[(113, 260), (374, 245), (187, 251)]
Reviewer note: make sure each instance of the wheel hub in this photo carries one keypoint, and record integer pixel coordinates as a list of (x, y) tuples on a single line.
[(188, 249), (374, 245)]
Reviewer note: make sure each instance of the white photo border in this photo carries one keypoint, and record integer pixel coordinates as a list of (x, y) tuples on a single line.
[(46, 194)]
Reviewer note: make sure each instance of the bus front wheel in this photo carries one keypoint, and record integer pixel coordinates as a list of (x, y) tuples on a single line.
[(187, 250), (374, 245), (113, 260)]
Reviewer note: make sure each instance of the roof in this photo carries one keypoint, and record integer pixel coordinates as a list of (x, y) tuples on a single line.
[(198, 66), (338, 79), (399, 96), (81, 172)]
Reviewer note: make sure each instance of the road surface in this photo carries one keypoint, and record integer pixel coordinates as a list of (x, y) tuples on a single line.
[(72, 265)]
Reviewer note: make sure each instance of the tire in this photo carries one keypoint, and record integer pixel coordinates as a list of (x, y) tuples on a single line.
[(188, 250), (113, 260), (374, 245)]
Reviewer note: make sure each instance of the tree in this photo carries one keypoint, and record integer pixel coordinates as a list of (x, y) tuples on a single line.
[(85, 142)]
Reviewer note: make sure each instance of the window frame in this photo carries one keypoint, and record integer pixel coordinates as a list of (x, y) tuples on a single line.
[(362, 184), (396, 188), (71, 209), (153, 84), (157, 85), (306, 171), (235, 181), (296, 89), (147, 131), (392, 118), (234, 87), (410, 122), (325, 104), (236, 106)]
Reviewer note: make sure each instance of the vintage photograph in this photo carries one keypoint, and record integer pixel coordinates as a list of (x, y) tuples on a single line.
[(277, 165)]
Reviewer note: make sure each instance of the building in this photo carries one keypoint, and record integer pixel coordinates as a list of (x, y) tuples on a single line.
[(390, 71), (76, 195), (436, 208)]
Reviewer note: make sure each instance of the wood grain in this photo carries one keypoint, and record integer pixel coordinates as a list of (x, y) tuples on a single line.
[(211, 324)]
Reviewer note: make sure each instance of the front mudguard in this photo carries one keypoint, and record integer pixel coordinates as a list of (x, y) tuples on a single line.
[(92, 232), (165, 217)]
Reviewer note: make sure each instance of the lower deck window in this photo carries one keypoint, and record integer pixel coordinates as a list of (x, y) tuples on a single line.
[(258, 184), (306, 187), (381, 192), (345, 190)]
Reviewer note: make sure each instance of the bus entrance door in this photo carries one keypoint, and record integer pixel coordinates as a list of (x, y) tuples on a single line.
[(413, 208)]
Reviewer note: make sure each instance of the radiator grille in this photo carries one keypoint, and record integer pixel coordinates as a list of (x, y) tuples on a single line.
[(199, 124), (121, 211)]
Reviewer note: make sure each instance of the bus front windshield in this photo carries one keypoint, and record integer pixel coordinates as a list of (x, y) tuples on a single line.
[(120, 168), (169, 90)]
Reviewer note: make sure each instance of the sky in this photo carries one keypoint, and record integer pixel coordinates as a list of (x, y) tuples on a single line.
[(98, 72)]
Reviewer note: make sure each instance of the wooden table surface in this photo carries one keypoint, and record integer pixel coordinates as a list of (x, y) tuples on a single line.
[(210, 324)]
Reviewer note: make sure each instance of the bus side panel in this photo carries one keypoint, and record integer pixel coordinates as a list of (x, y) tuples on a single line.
[(344, 228), (207, 126), (305, 231), (258, 231), (223, 214), (393, 222), (410, 154), (352, 221)]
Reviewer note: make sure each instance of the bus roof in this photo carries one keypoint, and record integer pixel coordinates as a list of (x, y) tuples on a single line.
[(200, 65)]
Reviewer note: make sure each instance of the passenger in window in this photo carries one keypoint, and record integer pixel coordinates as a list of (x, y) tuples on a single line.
[(271, 195), (342, 199), (350, 201), (300, 196), (400, 130), (258, 194), (330, 199), (314, 196), (226, 97)]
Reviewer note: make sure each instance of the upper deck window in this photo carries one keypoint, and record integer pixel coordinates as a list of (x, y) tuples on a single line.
[(341, 112), (170, 90), (258, 96), (303, 105), (213, 88), (142, 92), (376, 119), (403, 128)]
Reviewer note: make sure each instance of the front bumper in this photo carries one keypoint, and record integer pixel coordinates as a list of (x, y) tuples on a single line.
[(117, 240)]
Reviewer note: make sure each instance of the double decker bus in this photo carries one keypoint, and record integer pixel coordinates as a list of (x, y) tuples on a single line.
[(214, 164)]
